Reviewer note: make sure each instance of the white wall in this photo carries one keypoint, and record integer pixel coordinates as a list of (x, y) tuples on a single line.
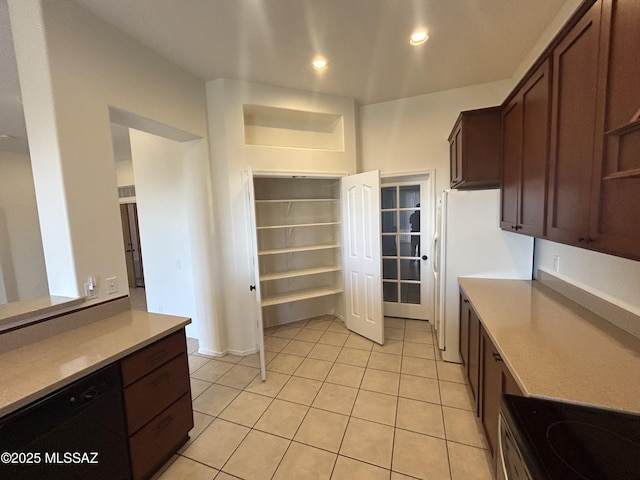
[(411, 134), (230, 158), (72, 68), (164, 230), (22, 269)]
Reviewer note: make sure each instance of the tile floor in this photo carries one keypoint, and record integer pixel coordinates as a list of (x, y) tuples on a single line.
[(334, 406)]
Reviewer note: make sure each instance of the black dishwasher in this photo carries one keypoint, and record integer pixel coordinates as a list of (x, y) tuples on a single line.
[(77, 432)]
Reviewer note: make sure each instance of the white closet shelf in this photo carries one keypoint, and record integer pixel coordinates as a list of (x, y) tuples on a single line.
[(298, 225), (298, 273), (308, 248), (302, 295)]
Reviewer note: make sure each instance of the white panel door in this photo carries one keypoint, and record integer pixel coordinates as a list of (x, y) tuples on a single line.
[(362, 266), (255, 265)]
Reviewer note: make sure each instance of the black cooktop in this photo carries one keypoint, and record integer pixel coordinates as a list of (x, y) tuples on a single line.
[(567, 441)]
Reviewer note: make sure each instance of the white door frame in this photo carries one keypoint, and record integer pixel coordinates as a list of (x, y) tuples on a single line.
[(427, 228)]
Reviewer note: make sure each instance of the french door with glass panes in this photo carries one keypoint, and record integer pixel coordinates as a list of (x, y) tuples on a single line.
[(407, 285)]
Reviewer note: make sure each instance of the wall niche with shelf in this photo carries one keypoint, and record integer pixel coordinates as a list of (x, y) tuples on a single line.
[(287, 128)]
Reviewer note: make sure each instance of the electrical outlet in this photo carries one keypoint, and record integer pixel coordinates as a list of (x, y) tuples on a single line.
[(556, 263), (90, 291), (112, 285)]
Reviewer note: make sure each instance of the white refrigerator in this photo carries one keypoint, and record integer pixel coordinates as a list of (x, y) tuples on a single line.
[(469, 243)]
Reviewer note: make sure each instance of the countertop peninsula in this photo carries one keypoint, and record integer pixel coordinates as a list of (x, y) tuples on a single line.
[(37, 369)]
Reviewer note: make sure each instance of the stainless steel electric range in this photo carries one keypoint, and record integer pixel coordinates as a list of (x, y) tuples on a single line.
[(549, 440)]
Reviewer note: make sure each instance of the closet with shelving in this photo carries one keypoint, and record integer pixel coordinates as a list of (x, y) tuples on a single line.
[(299, 247)]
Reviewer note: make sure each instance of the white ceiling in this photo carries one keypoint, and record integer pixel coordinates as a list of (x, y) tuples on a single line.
[(365, 41)]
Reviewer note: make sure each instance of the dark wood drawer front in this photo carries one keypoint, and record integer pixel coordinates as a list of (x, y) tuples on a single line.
[(159, 439), (147, 397), (137, 365)]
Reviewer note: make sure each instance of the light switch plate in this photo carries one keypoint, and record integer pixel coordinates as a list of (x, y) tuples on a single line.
[(112, 285)]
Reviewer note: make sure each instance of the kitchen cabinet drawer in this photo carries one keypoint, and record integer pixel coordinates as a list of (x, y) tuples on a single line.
[(158, 440), (139, 364), (148, 396)]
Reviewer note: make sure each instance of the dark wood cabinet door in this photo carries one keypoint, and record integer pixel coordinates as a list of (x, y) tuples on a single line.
[(536, 107), (615, 218), (525, 146), (465, 310), (511, 164), (575, 78), (455, 155), (473, 372), (490, 392), (474, 148)]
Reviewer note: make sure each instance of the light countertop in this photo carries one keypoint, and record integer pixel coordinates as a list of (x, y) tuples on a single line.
[(555, 348), (34, 370)]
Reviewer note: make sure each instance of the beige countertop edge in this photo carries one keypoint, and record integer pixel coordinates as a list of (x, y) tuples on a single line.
[(35, 370), (554, 348), (16, 311)]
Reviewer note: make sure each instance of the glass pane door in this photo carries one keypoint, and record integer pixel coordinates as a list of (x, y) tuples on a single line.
[(401, 256)]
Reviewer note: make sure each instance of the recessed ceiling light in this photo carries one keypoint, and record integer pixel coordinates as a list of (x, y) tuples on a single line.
[(319, 64), (418, 38)]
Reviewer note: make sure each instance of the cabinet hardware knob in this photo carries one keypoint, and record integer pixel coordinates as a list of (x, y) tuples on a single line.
[(581, 239), (466, 301), (424, 257), (252, 288), (497, 357)]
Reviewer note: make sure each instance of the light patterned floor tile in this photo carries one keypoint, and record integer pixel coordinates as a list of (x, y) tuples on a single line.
[(451, 372), (420, 350), (385, 361), (333, 338), (369, 442), (275, 344), (468, 463), (421, 367), (419, 388), (238, 377), (246, 409), (212, 370), (455, 395), (195, 362), (350, 469), (184, 467), (216, 443), (271, 386), (282, 418), (215, 399), (200, 422), (420, 456), (300, 390), (347, 375), (462, 426), (322, 429), (308, 334), (358, 342), (336, 398), (420, 417), (296, 347), (352, 356), (283, 363), (198, 386), (377, 407), (314, 369), (380, 381), (257, 457), (305, 462), (418, 325), (325, 352), (394, 347)]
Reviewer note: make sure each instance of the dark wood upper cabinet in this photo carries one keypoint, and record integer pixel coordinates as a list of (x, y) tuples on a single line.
[(615, 218), (474, 147), (525, 135), (574, 102)]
